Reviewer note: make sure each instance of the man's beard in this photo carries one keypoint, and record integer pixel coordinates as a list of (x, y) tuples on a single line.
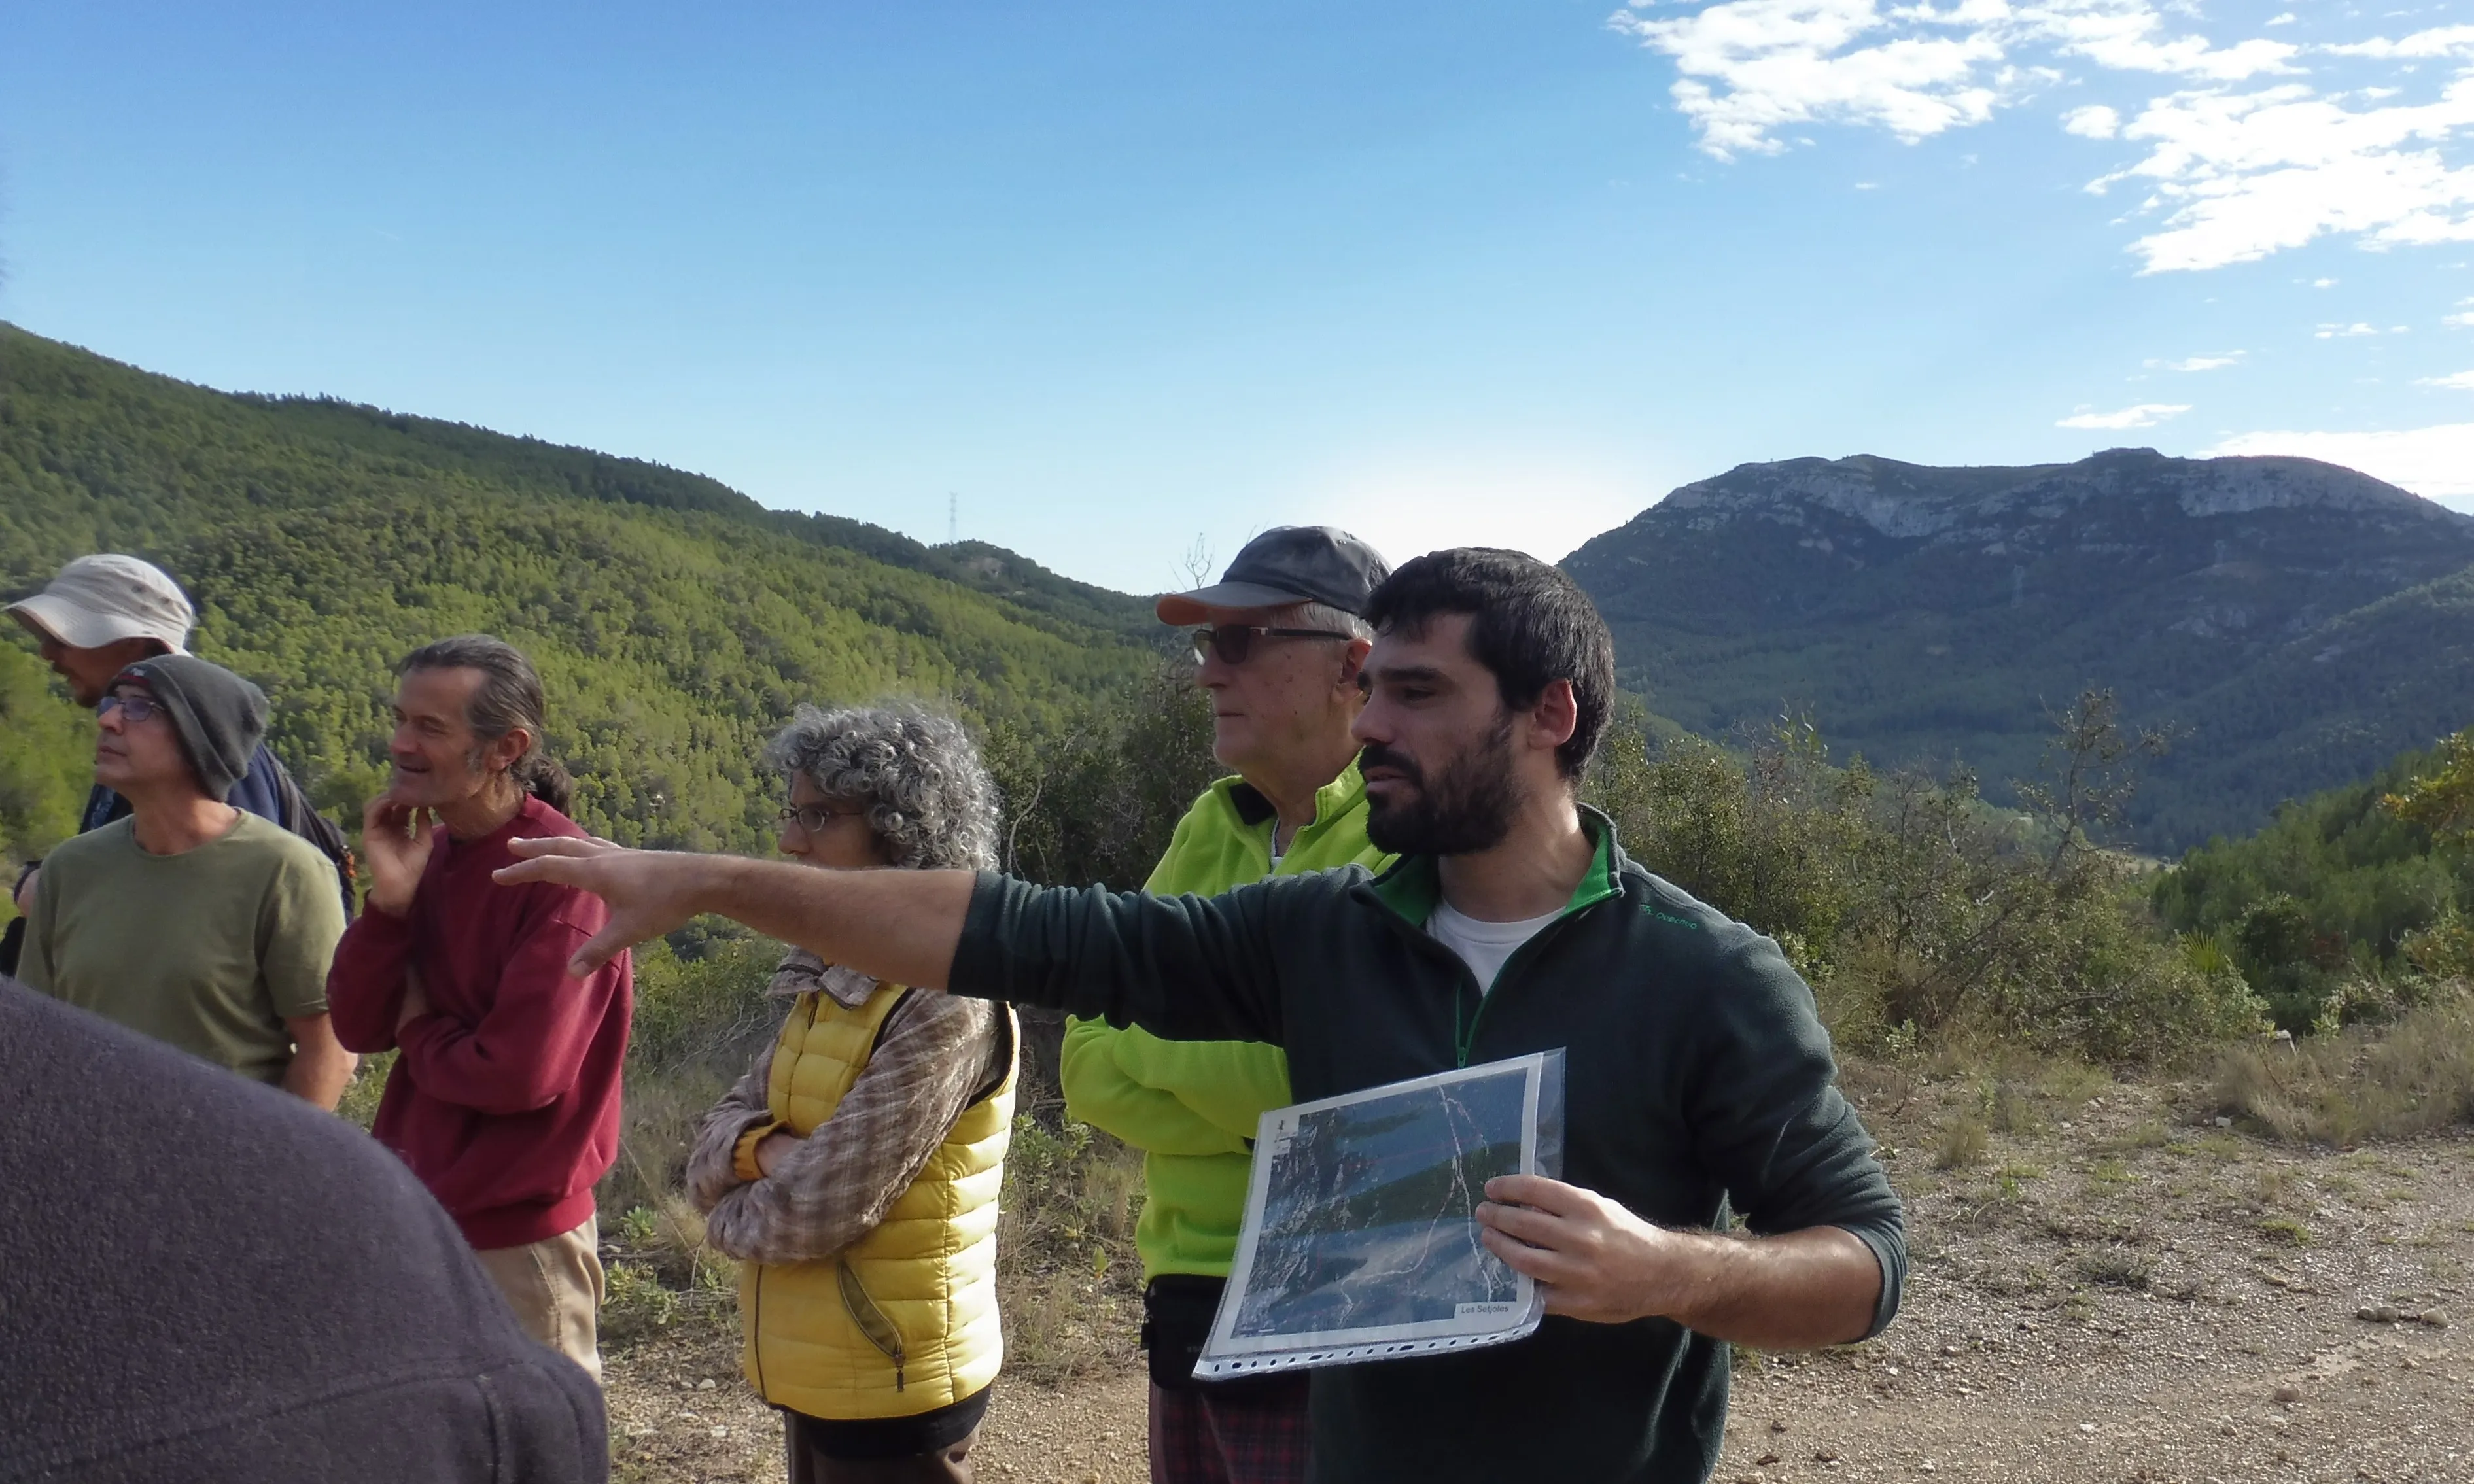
[(1468, 807)]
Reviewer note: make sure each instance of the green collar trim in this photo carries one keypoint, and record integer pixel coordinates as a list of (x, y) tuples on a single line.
[(1602, 880), (1412, 885)]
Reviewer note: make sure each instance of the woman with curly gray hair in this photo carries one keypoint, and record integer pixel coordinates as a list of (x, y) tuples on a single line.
[(855, 1168)]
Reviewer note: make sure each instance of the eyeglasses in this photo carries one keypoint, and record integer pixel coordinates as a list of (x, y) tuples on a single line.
[(812, 818), (135, 709), (1234, 642)]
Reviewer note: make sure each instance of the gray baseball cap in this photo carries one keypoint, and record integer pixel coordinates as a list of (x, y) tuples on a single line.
[(1287, 564), (97, 600)]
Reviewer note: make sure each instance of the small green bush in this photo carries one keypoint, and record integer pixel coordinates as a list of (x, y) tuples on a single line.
[(1915, 910), (635, 1305)]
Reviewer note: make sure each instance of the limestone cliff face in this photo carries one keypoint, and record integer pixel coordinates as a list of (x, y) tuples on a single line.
[(1925, 612)]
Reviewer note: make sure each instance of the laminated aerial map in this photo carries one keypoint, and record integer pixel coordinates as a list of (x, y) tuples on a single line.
[(1361, 1237)]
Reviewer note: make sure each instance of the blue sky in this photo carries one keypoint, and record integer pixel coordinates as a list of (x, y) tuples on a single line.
[(1126, 278)]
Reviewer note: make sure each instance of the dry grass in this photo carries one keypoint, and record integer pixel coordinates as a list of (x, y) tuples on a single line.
[(1964, 1141), (1069, 1282), (2413, 1076), (2117, 1267)]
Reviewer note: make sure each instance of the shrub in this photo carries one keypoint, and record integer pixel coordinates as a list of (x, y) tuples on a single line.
[(361, 1101), (2117, 1267), (700, 1021), (1964, 1141), (1069, 1280), (2413, 1076), (1912, 907)]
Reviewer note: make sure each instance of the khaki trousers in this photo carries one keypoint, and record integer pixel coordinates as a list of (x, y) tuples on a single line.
[(554, 1286)]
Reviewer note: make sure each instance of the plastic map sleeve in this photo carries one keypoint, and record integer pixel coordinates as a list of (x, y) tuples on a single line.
[(1361, 1239)]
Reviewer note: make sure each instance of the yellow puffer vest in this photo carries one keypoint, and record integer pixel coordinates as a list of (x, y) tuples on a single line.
[(903, 1321)]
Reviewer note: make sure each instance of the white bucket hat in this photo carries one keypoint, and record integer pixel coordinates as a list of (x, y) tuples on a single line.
[(97, 600)]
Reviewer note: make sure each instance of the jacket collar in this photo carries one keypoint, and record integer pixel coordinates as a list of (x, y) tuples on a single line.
[(1332, 800), (801, 972), (1412, 885)]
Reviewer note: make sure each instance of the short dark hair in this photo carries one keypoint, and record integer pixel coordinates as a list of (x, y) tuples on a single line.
[(508, 697), (1531, 626)]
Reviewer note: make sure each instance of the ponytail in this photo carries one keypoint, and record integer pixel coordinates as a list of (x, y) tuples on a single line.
[(544, 779)]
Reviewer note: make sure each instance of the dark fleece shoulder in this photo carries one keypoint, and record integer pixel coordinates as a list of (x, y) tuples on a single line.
[(1758, 1087), (210, 1280)]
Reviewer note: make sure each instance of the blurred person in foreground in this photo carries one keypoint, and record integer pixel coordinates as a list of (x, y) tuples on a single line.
[(101, 615), (1280, 660), (504, 1100), (855, 1170), (206, 927), (210, 1284), (1698, 1079)]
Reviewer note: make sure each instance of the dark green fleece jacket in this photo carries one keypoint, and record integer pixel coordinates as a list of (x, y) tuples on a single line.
[(1697, 1079)]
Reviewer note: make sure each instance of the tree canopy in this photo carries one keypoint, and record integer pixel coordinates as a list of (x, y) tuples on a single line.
[(675, 622)]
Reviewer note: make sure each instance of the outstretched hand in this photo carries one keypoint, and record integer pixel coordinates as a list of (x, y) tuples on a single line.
[(1595, 1260), (649, 892)]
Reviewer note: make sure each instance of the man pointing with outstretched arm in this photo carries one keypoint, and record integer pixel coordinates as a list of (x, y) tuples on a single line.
[(1698, 1078)]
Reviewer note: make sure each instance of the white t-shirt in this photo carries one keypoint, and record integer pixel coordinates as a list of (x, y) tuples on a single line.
[(1482, 945)]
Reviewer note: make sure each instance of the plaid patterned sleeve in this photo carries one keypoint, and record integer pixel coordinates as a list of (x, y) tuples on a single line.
[(709, 1174), (835, 1185)]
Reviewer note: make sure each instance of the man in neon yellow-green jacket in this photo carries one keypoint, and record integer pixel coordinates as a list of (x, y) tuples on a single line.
[(1279, 655)]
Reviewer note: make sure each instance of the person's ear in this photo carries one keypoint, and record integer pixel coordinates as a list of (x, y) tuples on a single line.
[(1353, 664), (1556, 717), (508, 749)]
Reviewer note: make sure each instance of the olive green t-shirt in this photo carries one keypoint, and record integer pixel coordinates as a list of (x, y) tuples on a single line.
[(210, 950)]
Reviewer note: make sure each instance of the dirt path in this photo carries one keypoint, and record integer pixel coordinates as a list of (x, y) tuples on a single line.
[(664, 1427), (2113, 1293)]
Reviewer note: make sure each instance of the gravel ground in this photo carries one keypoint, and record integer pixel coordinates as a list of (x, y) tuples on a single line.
[(2117, 1290), (2131, 1292)]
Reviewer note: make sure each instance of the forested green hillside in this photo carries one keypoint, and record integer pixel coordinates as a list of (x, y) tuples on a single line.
[(675, 622), (2339, 907)]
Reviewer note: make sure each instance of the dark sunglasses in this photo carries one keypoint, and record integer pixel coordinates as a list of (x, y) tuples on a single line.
[(813, 818), (1234, 641), (135, 709)]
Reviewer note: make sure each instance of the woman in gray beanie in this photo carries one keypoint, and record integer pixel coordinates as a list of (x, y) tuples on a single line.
[(190, 920)]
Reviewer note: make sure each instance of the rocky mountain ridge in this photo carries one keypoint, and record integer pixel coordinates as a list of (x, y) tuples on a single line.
[(1927, 613)]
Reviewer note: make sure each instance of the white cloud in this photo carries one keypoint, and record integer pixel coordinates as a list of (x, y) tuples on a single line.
[(2123, 35), (2344, 332), (2287, 18), (2421, 45), (1753, 67), (2094, 121), (2236, 167), (2462, 382), (2323, 283), (2241, 175), (2147, 414), (2437, 463), (2217, 361)]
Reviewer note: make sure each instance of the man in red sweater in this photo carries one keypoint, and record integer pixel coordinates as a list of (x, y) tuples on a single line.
[(505, 1099)]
